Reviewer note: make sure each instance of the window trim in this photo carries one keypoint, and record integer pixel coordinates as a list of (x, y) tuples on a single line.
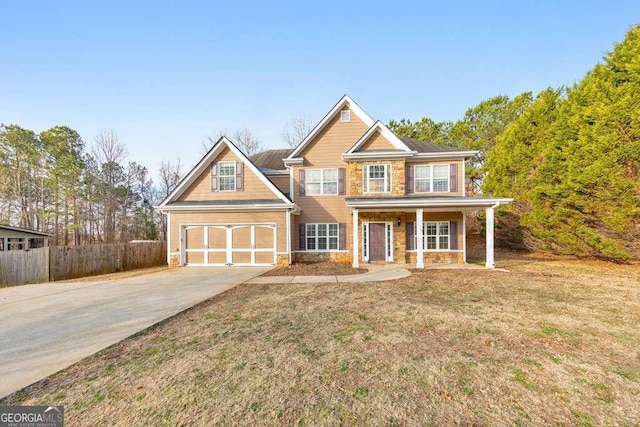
[(321, 182), (345, 116), (220, 176), (316, 236), (431, 178), (387, 179), (437, 236)]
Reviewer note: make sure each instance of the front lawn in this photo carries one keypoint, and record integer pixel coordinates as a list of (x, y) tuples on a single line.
[(555, 341)]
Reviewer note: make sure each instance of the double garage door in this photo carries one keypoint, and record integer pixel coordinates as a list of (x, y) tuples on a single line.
[(229, 244)]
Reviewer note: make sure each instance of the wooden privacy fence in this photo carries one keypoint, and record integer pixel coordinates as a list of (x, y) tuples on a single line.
[(71, 262), (20, 267)]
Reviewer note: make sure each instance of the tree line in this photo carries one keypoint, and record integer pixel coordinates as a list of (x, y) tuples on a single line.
[(54, 182), (569, 156)]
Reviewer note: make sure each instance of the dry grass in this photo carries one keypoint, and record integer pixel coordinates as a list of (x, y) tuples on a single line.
[(327, 268), (554, 342)]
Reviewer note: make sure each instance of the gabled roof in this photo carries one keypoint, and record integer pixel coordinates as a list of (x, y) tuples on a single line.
[(345, 101), (204, 163), (425, 147), (25, 230), (271, 159), (378, 126)]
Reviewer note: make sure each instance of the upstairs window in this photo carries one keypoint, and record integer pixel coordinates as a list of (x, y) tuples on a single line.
[(321, 182), (345, 116), (227, 172), (377, 178), (431, 178)]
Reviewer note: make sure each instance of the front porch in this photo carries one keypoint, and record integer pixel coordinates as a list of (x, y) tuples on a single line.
[(417, 231)]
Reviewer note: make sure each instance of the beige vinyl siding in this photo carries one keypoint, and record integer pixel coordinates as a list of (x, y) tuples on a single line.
[(376, 142), (205, 218), (281, 181), (253, 187), (441, 216), (325, 150), (444, 162), (320, 209)]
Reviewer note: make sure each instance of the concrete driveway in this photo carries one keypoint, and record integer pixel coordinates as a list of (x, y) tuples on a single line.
[(45, 328)]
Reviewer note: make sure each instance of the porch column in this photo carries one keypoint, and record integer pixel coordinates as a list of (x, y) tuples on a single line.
[(356, 261), (490, 263), (419, 240), (26, 243)]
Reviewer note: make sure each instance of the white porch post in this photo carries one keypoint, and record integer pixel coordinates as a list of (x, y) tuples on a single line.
[(356, 261), (419, 241), (464, 237), (490, 263)]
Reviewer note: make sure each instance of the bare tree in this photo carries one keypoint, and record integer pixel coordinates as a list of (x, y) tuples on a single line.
[(244, 139), (107, 148), (296, 130), (169, 175)]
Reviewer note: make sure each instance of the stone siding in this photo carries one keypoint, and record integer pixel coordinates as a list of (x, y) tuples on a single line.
[(437, 258), (355, 178), (311, 257), (174, 261)]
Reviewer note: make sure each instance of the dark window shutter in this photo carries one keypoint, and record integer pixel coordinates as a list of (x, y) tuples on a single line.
[(342, 236), (302, 240), (341, 184), (239, 176), (453, 177), (411, 227), (214, 177), (453, 235), (408, 179), (301, 177)]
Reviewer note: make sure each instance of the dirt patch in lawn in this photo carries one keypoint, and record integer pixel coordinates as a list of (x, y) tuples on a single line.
[(553, 342), (316, 269)]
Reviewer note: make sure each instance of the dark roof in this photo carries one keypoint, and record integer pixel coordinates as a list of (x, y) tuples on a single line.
[(426, 147), (24, 230), (271, 159), (227, 202)]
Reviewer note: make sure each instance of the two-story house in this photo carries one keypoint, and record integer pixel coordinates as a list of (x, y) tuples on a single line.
[(351, 191)]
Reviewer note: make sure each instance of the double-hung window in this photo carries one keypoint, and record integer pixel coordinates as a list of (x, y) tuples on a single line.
[(431, 178), (321, 181), (227, 176), (377, 178), (436, 236), (322, 237)]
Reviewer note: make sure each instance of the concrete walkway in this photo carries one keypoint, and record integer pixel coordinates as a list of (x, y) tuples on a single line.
[(47, 327), (376, 273)]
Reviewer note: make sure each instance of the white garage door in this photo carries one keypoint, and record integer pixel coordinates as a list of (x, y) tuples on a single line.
[(229, 244)]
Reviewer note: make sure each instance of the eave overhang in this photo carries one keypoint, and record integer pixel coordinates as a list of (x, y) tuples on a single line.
[(455, 203), (234, 207)]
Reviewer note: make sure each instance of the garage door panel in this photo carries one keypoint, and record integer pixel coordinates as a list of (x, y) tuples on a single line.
[(241, 238), (241, 257), (217, 257), (264, 238), (217, 237), (195, 257), (264, 257), (194, 237)]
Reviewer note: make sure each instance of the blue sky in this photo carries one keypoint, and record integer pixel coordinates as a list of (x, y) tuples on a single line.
[(165, 74)]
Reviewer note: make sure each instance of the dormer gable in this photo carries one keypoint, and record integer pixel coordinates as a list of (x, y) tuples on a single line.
[(224, 173)]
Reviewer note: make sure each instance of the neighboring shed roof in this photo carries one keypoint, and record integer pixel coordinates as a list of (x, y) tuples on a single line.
[(270, 159), (426, 147), (24, 230)]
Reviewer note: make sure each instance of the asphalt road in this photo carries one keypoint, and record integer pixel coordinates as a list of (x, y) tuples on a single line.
[(47, 327)]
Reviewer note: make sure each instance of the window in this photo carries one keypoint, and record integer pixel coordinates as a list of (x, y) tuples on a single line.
[(435, 236), (321, 181), (322, 237), (377, 178), (431, 178), (227, 175), (345, 116)]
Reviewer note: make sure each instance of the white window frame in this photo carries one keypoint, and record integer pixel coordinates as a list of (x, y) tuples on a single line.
[(345, 116), (386, 178), (222, 164), (316, 227), (431, 178), (437, 236), (322, 182)]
